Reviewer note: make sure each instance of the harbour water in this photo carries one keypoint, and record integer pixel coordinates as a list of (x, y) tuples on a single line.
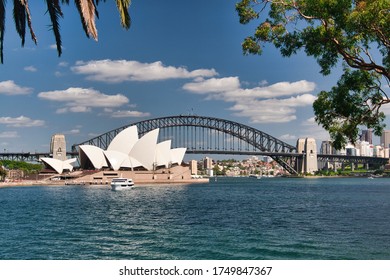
[(231, 218)]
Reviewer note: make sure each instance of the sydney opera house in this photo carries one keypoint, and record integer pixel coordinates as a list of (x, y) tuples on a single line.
[(127, 154)]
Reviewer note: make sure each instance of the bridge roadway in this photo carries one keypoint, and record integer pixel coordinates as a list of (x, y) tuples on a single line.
[(320, 157), (29, 157), (34, 157)]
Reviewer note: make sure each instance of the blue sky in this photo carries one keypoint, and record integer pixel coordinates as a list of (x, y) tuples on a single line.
[(178, 57)]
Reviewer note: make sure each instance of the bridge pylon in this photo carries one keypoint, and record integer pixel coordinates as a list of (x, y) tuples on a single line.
[(309, 163)]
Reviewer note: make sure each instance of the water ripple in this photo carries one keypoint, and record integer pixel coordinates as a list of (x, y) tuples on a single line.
[(228, 219)]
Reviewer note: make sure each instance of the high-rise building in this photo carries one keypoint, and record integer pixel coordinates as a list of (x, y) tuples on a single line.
[(326, 147), (385, 138), (58, 146), (207, 163), (194, 167), (366, 136), (379, 151)]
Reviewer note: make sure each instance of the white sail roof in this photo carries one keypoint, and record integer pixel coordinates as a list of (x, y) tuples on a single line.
[(177, 155), (94, 154), (163, 153), (115, 159), (58, 165), (125, 140), (132, 162), (126, 150), (145, 149)]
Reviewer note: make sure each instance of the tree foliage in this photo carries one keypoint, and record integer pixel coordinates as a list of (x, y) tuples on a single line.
[(21, 165), (3, 173), (354, 32), (86, 8)]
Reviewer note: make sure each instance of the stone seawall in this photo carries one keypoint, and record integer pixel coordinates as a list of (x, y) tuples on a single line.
[(174, 175)]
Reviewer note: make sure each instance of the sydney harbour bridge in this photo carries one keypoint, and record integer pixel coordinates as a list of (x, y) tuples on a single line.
[(209, 135)]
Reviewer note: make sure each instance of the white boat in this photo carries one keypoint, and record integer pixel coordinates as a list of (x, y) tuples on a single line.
[(121, 184)]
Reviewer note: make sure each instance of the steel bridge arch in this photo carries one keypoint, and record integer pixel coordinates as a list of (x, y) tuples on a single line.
[(284, 153)]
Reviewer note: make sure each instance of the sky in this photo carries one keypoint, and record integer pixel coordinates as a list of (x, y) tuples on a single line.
[(178, 57)]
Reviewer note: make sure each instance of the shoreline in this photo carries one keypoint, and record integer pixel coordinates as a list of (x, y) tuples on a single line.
[(70, 183), (32, 183)]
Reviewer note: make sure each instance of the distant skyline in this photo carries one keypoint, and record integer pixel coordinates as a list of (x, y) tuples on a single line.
[(178, 57)]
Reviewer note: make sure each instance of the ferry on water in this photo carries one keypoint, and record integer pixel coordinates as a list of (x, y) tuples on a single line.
[(121, 184)]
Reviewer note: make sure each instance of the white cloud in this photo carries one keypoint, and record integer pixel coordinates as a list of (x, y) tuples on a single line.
[(58, 74), (314, 130), (62, 110), (30, 68), (213, 85), (72, 131), (21, 121), (80, 100), (230, 87), (280, 89), (287, 137), (79, 109), (129, 114), (272, 110), (276, 103), (263, 83), (10, 88), (309, 122), (279, 114), (116, 71), (63, 64), (9, 134)]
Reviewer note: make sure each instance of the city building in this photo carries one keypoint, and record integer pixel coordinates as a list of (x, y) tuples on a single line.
[(350, 150), (207, 163), (364, 148), (385, 139), (386, 152), (194, 167), (326, 147), (379, 151), (366, 136)]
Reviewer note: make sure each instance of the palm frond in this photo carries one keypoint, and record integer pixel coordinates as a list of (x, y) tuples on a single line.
[(123, 8), (54, 10), (2, 28), (87, 11), (20, 20), (27, 9)]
